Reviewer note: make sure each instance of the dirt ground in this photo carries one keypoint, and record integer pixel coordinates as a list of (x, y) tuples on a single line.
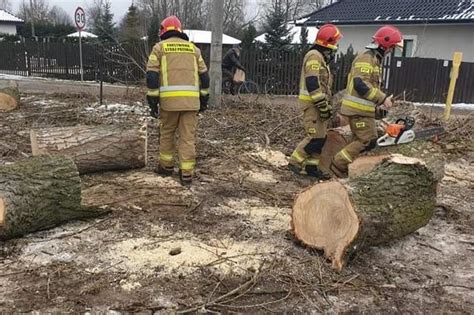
[(229, 233)]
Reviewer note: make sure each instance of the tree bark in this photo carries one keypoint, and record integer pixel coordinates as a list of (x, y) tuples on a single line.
[(387, 202), (39, 193), (94, 149)]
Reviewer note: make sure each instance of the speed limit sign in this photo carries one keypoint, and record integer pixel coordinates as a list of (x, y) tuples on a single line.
[(80, 18)]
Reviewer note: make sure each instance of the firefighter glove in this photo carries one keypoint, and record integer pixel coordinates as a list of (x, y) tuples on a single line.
[(154, 104), (325, 110), (203, 99), (380, 112)]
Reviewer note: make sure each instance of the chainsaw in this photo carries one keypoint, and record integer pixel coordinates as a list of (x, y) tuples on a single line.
[(401, 132)]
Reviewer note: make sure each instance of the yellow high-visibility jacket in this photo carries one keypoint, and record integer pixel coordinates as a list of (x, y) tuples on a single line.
[(363, 86), (179, 64), (315, 65)]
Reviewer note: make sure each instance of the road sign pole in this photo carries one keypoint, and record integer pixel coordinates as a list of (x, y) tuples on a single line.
[(80, 55), (80, 19)]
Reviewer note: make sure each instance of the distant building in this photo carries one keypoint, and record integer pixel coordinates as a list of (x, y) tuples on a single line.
[(8, 23), (432, 28)]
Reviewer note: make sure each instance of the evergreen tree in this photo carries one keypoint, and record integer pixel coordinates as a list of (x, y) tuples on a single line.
[(304, 46), (248, 36), (104, 26), (277, 35), (46, 30), (130, 32), (154, 31)]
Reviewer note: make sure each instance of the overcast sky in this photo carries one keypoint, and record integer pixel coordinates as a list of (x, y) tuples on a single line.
[(119, 7)]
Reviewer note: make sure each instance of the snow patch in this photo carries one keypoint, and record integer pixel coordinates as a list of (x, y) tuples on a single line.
[(118, 108), (465, 106)]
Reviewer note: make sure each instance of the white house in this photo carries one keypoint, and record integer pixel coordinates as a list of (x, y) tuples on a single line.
[(431, 28), (8, 23)]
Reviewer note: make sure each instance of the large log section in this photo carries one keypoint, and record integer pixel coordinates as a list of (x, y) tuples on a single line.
[(389, 200), (94, 148), (9, 99), (40, 193)]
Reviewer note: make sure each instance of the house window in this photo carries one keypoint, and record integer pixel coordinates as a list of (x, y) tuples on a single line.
[(408, 49)]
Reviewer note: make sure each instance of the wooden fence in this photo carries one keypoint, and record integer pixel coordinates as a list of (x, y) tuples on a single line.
[(275, 72)]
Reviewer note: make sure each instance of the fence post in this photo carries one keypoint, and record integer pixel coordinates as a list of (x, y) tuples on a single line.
[(457, 58), (66, 61), (27, 60)]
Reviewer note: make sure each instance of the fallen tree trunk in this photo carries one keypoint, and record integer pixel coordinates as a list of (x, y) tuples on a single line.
[(387, 202), (40, 193), (94, 149), (9, 99)]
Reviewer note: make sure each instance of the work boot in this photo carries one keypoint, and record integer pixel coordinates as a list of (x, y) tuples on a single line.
[(185, 179), (337, 172), (296, 169), (164, 171), (314, 171)]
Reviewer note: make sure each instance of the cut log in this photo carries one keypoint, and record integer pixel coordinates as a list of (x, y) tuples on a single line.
[(9, 99), (40, 193), (94, 148), (394, 199)]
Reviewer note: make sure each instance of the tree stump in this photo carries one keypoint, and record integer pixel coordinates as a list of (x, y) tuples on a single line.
[(94, 148), (393, 199), (9, 99), (40, 193)]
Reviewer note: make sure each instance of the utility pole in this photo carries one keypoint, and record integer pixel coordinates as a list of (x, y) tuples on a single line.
[(216, 52), (32, 19)]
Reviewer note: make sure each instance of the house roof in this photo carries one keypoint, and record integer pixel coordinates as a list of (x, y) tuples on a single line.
[(84, 34), (9, 18), (394, 12), (295, 32), (204, 37)]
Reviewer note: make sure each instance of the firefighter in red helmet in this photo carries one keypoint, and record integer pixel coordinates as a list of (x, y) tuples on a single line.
[(365, 101), (315, 101), (178, 83)]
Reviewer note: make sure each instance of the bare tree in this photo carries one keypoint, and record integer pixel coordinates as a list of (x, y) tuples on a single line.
[(5, 5), (57, 15), (195, 13), (94, 11), (294, 9), (38, 11)]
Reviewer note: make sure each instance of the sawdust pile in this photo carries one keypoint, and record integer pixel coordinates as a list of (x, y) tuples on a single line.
[(146, 257), (267, 219), (275, 158)]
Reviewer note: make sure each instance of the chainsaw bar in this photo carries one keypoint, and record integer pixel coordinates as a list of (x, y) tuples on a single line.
[(428, 133)]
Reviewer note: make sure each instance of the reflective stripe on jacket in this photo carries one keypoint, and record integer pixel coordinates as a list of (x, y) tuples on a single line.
[(315, 65), (179, 63), (367, 68)]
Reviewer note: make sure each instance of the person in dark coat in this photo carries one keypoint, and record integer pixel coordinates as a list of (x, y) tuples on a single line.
[(230, 63)]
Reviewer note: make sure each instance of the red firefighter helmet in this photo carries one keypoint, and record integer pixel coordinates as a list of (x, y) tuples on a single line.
[(328, 36), (171, 23), (388, 37)]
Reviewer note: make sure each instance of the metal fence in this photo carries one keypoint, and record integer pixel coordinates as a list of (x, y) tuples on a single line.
[(115, 63), (275, 72)]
